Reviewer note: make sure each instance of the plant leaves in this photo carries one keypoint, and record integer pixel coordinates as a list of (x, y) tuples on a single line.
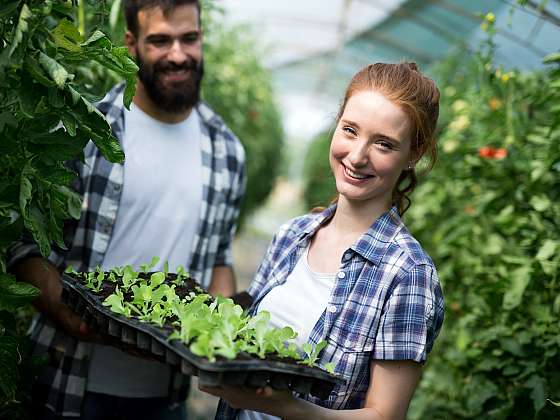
[(67, 36), (15, 294), (21, 28), (8, 8), (55, 70), (519, 280), (9, 361)]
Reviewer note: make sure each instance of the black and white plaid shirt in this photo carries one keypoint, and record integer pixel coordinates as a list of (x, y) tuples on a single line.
[(100, 184)]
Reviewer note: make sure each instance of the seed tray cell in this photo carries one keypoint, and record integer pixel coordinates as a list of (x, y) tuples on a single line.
[(150, 341)]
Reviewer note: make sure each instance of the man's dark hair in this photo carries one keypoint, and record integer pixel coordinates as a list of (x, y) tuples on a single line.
[(132, 7)]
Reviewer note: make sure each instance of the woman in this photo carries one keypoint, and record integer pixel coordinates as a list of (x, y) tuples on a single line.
[(352, 274)]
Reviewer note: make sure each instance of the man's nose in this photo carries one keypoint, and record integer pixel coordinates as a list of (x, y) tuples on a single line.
[(177, 53)]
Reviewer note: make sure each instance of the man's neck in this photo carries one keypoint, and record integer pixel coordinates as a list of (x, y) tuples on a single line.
[(145, 103)]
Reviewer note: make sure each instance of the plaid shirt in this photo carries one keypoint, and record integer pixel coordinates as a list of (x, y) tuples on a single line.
[(386, 303), (100, 184)]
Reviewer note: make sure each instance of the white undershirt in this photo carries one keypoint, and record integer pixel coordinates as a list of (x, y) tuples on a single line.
[(158, 215), (298, 303)]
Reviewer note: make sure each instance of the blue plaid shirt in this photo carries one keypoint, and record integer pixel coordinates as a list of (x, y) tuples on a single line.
[(386, 303), (100, 184)]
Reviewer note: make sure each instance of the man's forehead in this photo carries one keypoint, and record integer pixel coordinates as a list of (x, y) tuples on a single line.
[(179, 17)]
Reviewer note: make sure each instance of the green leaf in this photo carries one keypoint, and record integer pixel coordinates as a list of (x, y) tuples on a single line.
[(552, 58), (8, 8), (55, 70), (10, 358), (519, 280), (26, 188), (73, 201), (540, 203), (67, 36), (21, 27), (38, 225), (14, 294), (98, 38), (537, 386), (547, 250), (7, 119)]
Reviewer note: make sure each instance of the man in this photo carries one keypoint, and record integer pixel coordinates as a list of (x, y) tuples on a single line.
[(177, 196)]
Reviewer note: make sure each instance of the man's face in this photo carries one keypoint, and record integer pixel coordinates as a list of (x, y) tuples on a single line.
[(168, 51)]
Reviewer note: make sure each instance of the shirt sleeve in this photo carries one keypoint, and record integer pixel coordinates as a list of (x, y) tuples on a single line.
[(224, 256), (412, 317)]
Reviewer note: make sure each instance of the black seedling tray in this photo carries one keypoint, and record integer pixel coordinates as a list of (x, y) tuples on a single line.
[(152, 342)]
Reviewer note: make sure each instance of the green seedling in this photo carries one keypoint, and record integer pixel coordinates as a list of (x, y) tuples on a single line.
[(116, 303), (312, 352), (145, 268), (329, 367)]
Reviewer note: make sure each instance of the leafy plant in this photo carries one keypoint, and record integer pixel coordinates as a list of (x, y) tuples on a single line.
[(46, 118)]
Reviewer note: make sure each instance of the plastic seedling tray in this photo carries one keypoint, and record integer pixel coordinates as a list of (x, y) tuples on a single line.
[(150, 341)]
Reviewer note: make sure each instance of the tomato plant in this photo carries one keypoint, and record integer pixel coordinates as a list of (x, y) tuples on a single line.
[(46, 118)]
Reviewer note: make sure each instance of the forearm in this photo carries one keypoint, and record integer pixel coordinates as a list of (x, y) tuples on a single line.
[(223, 281), (305, 410), (40, 273)]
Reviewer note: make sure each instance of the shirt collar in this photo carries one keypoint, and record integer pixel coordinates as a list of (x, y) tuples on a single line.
[(373, 244)]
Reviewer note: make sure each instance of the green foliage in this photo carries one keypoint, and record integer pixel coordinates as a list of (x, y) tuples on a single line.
[(489, 215), (46, 118), (319, 185), (238, 87), (210, 327)]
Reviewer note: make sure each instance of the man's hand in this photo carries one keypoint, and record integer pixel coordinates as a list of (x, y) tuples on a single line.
[(46, 278), (222, 282)]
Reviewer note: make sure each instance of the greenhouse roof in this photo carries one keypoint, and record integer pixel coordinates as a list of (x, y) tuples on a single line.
[(319, 45)]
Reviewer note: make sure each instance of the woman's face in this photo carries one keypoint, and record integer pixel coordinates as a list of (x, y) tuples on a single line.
[(370, 148)]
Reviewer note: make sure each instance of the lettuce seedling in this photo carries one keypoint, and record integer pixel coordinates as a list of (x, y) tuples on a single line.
[(312, 352), (145, 268), (129, 277), (116, 303)]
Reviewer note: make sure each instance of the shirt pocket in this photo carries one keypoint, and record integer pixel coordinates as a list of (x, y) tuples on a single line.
[(352, 360)]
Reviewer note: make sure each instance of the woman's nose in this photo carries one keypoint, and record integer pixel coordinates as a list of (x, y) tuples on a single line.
[(358, 155)]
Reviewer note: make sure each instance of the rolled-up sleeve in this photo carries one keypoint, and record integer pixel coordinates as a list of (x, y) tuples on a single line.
[(412, 317)]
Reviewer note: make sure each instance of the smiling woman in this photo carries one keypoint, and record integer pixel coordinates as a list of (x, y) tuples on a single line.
[(352, 275)]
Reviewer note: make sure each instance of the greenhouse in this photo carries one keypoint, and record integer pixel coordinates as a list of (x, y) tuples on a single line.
[(260, 210)]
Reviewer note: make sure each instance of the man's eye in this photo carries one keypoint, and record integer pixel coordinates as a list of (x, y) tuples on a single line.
[(159, 42), (190, 38)]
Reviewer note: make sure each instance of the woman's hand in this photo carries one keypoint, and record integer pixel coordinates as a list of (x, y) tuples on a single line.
[(265, 399)]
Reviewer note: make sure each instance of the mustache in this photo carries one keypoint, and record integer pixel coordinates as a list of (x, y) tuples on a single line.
[(165, 66)]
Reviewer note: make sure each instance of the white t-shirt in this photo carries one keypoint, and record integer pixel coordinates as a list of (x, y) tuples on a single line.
[(158, 215), (298, 303)]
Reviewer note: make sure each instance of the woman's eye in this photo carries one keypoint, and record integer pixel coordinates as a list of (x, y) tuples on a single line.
[(349, 130), (385, 144)]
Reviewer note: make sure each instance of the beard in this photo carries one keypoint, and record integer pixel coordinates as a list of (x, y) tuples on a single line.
[(174, 97)]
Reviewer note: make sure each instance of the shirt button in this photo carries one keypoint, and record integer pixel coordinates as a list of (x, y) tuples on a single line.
[(341, 274), (332, 309)]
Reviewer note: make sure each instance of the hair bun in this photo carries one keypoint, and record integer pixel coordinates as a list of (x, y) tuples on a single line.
[(412, 66)]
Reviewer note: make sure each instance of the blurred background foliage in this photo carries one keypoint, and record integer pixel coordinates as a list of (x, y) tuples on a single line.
[(489, 215), (235, 84)]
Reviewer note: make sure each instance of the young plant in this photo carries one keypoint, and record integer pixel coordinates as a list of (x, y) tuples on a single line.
[(116, 303), (145, 268), (312, 352)]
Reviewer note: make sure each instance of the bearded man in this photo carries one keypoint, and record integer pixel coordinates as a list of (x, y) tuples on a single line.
[(176, 196)]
